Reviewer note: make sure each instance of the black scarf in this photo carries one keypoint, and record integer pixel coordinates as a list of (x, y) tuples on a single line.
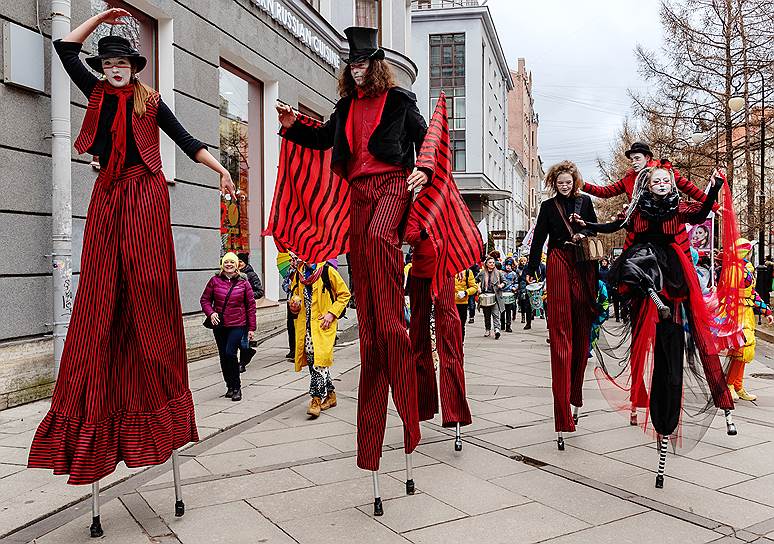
[(658, 209)]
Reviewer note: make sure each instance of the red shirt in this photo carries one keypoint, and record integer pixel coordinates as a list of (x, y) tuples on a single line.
[(364, 116), (423, 257)]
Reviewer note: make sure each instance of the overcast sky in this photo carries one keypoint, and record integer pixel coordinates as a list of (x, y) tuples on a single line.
[(581, 54)]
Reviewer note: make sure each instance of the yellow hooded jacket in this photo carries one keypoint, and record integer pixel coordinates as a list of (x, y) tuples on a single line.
[(467, 284), (322, 340)]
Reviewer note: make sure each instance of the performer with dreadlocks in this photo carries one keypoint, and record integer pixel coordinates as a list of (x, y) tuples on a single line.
[(673, 325), (374, 131)]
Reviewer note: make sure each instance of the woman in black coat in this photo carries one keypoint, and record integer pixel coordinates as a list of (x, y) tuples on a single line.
[(571, 289)]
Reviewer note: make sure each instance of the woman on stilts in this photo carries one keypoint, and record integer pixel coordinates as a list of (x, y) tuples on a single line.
[(122, 392), (571, 285), (672, 347)]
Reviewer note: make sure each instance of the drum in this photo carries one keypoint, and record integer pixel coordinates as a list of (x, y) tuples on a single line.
[(535, 294), (509, 297), (487, 299)]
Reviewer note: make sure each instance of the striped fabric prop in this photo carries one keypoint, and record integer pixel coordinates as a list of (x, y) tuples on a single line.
[(439, 205), (310, 211)]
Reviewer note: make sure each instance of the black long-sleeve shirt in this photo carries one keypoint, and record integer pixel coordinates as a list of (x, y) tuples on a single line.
[(551, 225), (85, 80)]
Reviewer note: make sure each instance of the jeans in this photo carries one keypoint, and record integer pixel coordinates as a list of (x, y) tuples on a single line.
[(505, 317), (472, 307), (229, 340), (488, 321)]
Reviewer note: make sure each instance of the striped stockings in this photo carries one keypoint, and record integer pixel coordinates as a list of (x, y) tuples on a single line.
[(379, 206), (122, 391)]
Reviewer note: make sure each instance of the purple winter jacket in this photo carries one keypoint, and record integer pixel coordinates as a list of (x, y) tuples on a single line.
[(240, 302)]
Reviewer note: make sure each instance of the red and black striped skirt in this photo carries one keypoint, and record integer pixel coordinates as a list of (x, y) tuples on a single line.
[(122, 392)]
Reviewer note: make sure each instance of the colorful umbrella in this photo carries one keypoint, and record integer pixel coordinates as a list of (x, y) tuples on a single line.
[(283, 264)]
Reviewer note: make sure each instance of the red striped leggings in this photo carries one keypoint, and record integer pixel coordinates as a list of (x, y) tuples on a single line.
[(448, 335), (378, 210), (122, 391), (571, 292)]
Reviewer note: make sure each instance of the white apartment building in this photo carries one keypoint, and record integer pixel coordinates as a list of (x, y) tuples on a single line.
[(456, 49)]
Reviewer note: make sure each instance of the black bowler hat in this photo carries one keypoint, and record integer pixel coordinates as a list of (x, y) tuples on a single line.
[(363, 44), (116, 46), (639, 147)]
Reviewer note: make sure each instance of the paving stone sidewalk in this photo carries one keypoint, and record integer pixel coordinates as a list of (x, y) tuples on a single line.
[(266, 473)]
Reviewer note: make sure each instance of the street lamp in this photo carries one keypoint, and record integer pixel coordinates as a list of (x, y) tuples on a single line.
[(699, 135), (736, 103)]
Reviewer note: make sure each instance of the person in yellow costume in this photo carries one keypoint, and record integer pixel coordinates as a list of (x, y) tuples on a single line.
[(750, 301), (319, 297)]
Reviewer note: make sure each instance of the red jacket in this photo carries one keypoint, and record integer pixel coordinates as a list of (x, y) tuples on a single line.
[(626, 185), (240, 311)]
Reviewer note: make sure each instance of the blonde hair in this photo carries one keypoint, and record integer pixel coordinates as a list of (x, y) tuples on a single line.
[(142, 93), (564, 167)]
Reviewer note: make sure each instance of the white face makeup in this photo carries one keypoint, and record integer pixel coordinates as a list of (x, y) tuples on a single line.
[(564, 184), (638, 161), (118, 71), (660, 183), (358, 71)]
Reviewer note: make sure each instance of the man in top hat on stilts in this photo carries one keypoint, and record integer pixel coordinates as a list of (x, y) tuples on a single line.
[(375, 131)]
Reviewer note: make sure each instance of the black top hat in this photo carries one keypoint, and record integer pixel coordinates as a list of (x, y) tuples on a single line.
[(639, 147), (363, 44), (116, 46)]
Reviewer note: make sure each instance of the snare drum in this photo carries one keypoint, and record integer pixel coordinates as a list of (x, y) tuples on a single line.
[(487, 299), (535, 294), (509, 297)]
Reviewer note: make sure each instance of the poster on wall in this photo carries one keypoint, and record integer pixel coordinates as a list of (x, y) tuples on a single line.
[(701, 236)]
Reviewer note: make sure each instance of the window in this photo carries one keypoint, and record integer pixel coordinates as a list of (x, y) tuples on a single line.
[(141, 31), (314, 3), (309, 112), (240, 152), (447, 73), (368, 13)]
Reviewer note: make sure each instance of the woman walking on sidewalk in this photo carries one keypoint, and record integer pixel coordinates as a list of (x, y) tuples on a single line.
[(465, 288), (319, 296), (229, 305), (490, 283), (571, 286), (122, 391)]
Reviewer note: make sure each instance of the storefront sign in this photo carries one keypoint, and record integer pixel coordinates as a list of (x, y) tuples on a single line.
[(499, 235), (295, 26)]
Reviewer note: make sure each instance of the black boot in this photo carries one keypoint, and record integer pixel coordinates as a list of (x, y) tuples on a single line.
[(229, 393), (237, 396), (245, 356)]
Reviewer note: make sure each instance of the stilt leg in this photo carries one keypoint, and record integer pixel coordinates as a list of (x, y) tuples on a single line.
[(575, 414), (560, 441), (409, 476), (179, 504), (730, 427), (662, 453), (378, 509), (457, 438), (633, 417), (96, 527)]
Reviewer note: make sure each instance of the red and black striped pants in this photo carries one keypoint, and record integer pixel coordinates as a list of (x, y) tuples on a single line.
[(379, 205), (571, 291), (448, 338), (122, 391)]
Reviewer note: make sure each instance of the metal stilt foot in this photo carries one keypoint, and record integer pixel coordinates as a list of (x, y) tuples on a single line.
[(95, 531), (633, 417), (409, 476), (457, 438), (560, 441), (179, 504), (730, 426), (575, 414), (378, 508)]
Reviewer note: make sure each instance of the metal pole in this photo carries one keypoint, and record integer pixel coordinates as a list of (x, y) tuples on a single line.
[(61, 183), (762, 211)]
